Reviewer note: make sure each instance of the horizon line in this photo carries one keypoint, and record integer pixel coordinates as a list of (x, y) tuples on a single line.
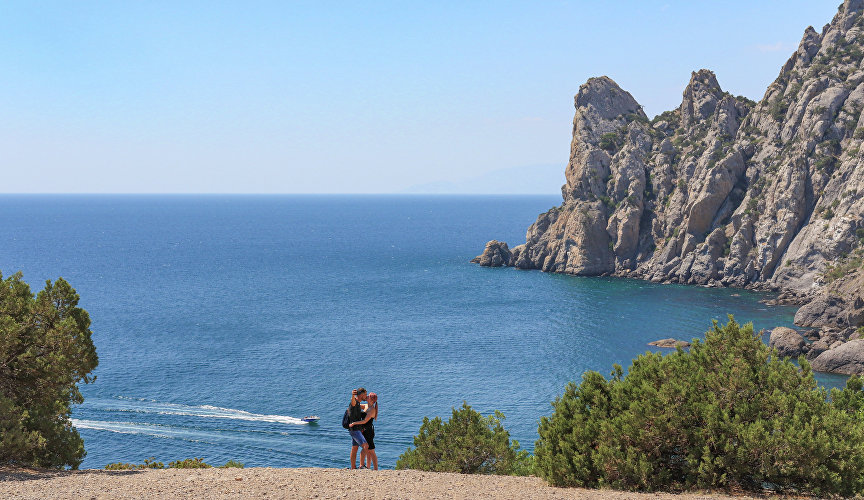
[(156, 193)]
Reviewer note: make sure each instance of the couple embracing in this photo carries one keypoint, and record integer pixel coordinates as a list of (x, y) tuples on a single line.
[(362, 411)]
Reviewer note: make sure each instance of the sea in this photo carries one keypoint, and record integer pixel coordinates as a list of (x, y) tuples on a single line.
[(220, 321)]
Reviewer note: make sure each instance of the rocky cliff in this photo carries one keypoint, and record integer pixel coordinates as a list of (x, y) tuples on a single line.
[(721, 191)]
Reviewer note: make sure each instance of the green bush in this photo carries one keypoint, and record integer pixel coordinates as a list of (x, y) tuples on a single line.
[(752, 204), (637, 117), (716, 156), (826, 163), (750, 103), (120, 466), (232, 464), (668, 116), (149, 463), (728, 414), (609, 141), (844, 265), (189, 463), (45, 350), (778, 108), (607, 201), (468, 443)]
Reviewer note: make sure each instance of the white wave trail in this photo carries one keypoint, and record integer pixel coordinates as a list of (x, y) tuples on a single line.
[(218, 412), (145, 429), (203, 411)]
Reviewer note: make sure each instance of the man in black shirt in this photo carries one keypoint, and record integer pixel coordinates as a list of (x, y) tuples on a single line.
[(355, 414)]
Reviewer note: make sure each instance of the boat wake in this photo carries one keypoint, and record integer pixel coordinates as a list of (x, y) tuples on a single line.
[(153, 430), (122, 404)]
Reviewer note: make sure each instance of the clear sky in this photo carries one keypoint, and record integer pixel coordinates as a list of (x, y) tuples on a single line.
[(345, 97)]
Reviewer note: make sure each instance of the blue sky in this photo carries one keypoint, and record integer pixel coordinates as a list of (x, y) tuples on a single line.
[(348, 97)]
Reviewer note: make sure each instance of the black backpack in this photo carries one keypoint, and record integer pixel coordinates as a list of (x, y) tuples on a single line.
[(346, 421)]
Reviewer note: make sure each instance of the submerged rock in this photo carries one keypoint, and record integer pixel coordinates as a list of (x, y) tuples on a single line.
[(669, 343)]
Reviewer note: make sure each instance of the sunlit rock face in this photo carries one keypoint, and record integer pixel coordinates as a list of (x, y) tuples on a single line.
[(723, 191)]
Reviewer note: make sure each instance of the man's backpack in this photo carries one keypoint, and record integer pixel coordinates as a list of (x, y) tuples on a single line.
[(346, 422)]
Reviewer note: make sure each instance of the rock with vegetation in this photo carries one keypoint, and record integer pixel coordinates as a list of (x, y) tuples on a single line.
[(840, 303), (723, 191), (45, 351), (727, 414)]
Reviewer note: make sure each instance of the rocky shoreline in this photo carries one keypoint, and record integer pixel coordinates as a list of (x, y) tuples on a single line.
[(832, 321), (723, 191)]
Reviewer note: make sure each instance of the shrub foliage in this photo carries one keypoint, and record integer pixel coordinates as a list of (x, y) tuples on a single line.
[(468, 443), (188, 463), (728, 414), (45, 350)]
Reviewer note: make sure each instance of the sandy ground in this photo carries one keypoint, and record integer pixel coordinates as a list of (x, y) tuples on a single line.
[(290, 483)]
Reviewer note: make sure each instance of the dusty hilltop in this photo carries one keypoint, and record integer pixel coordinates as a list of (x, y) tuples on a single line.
[(290, 483)]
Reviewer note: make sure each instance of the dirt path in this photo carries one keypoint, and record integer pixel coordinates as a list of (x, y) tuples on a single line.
[(291, 483)]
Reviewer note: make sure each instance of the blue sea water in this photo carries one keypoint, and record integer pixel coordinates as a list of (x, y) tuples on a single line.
[(221, 320)]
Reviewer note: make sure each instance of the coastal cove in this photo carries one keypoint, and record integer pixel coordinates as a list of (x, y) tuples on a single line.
[(221, 320)]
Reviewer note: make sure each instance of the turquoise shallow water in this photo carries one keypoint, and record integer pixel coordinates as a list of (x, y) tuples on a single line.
[(221, 320)]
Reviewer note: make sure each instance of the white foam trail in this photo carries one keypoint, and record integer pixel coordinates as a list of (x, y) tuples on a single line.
[(204, 411), (133, 428), (217, 412)]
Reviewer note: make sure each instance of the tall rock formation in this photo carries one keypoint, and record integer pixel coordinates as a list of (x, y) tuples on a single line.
[(720, 191), (647, 199)]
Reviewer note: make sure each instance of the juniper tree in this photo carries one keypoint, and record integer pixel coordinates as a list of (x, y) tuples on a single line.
[(468, 443), (45, 351), (730, 413)]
